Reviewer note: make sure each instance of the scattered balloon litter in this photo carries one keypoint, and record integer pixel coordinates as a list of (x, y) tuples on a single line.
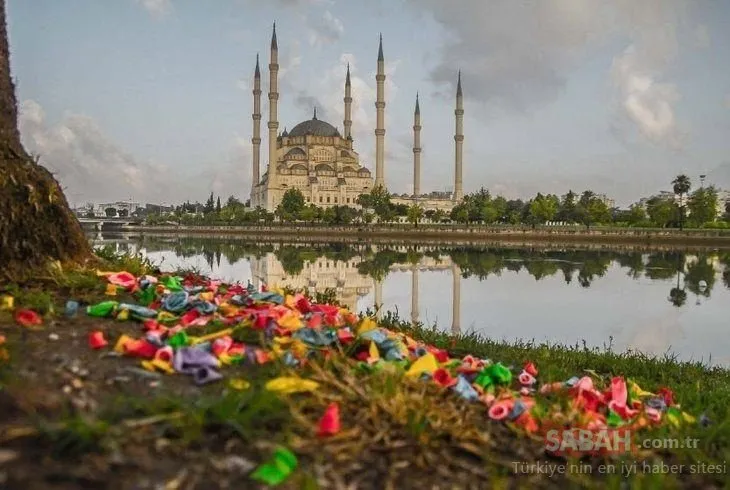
[(292, 329)]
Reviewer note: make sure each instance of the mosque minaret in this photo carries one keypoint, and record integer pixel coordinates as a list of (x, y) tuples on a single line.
[(256, 140), (417, 149), (322, 163)]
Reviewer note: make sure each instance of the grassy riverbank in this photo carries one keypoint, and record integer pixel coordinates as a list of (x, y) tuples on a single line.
[(78, 417), (447, 234)]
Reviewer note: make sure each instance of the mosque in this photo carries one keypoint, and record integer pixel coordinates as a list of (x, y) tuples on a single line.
[(323, 164)]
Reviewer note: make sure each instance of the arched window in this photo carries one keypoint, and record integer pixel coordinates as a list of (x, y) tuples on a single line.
[(321, 155), (299, 169), (324, 169)]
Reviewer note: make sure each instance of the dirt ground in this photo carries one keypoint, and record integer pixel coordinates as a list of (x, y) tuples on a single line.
[(55, 375)]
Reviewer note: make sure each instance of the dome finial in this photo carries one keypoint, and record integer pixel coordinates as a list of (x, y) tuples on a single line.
[(315, 113)]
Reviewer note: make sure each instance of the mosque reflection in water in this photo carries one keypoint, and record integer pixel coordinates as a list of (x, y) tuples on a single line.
[(352, 272)]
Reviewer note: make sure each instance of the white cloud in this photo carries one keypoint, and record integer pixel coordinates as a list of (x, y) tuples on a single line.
[(157, 8), (92, 167), (519, 55), (325, 30), (515, 54), (647, 103)]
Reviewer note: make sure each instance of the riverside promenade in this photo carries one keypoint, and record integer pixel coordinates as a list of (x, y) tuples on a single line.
[(455, 234)]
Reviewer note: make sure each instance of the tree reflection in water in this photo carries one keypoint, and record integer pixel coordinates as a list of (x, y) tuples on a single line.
[(586, 265)]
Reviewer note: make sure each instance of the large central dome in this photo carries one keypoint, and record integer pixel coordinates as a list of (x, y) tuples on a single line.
[(314, 127)]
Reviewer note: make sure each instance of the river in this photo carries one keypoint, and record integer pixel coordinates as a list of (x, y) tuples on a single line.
[(670, 302)]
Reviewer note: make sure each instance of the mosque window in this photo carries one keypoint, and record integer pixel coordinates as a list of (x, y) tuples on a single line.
[(328, 199), (335, 199), (320, 198), (321, 155), (325, 170)]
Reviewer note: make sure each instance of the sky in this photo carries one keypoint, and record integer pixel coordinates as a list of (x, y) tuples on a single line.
[(151, 99)]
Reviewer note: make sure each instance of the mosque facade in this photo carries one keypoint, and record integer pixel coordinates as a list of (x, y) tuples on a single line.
[(315, 158)]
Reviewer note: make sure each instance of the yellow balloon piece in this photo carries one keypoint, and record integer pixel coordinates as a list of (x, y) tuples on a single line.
[(8, 303), (373, 352), (123, 315), (299, 349), (148, 366), (291, 384), (425, 364), (239, 384), (111, 290), (638, 391), (290, 301), (206, 296), (690, 419), (366, 325), (291, 320), (119, 347), (163, 366), (213, 336)]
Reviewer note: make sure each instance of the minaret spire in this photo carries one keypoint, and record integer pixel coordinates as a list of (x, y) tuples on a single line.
[(315, 113), (273, 121), (348, 106), (459, 142), (256, 140), (380, 127), (417, 149)]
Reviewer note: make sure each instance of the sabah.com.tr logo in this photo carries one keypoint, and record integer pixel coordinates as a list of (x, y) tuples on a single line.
[(580, 442)]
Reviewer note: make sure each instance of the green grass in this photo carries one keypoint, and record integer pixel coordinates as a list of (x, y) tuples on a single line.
[(698, 388), (383, 400)]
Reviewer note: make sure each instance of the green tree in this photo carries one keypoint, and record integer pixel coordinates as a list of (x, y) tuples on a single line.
[(209, 204), (703, 206), (460, 213), (681, 186), (110, 212), (636, 214), (415, 214), (597, 211), (438, 216), (378, 199), (218, 205), (543, 208), (310, 213), (292, 204), (566, 211), (660, 210)]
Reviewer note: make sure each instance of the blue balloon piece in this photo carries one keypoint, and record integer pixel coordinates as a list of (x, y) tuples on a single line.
[(517, 409), (175, 302), (465, 389), (72, 308)]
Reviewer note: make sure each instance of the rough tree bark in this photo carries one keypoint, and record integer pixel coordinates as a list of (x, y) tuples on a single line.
[(36, 224)]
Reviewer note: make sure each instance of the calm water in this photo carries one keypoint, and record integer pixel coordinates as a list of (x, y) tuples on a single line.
[(653, 302)]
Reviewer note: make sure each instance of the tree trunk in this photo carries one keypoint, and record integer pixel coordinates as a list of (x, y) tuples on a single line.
[(36, 224)]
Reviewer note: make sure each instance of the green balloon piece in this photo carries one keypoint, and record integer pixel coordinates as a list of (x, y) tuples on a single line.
[(103, 309), (278, 469)]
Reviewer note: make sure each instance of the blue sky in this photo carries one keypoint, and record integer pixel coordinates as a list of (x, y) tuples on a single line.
[(151, 99)]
